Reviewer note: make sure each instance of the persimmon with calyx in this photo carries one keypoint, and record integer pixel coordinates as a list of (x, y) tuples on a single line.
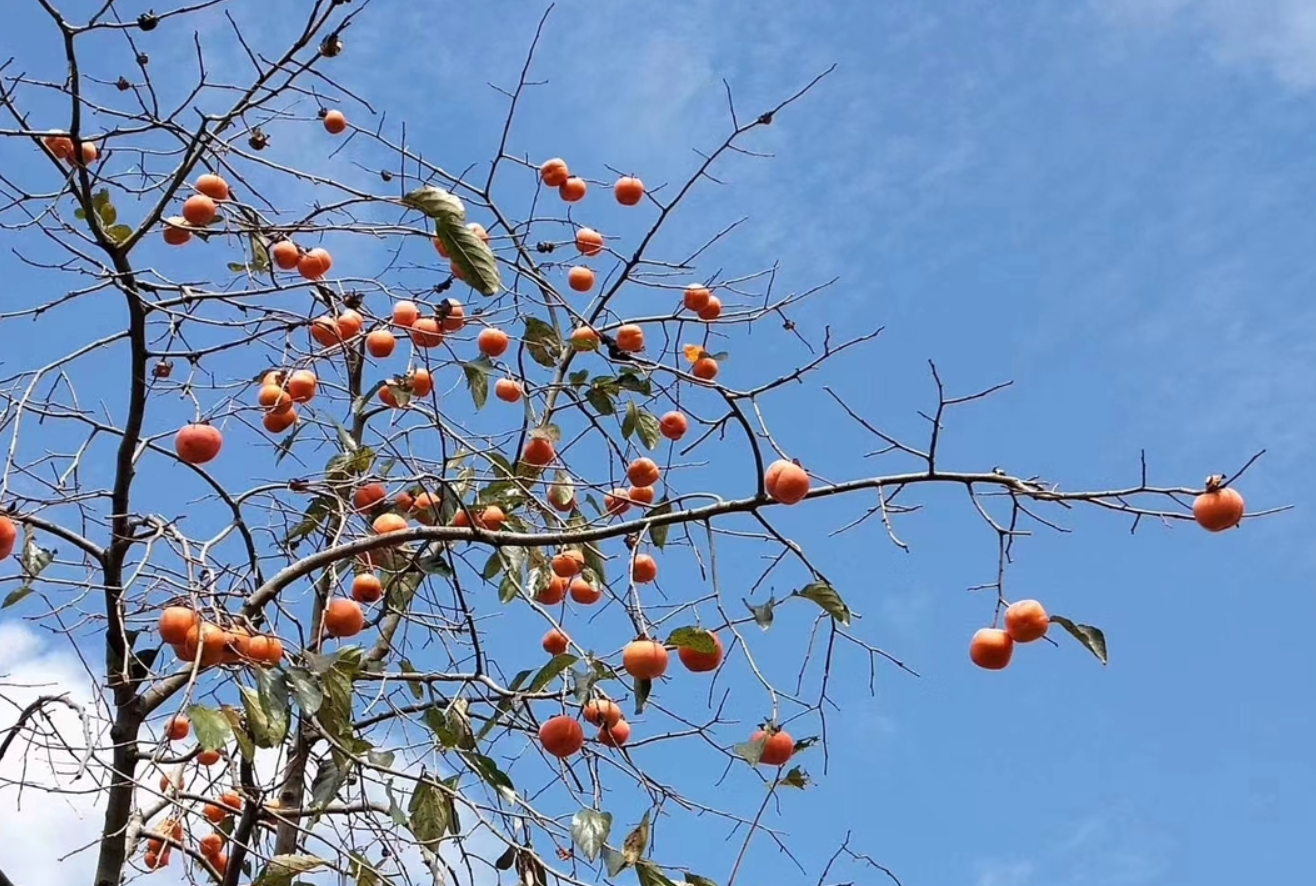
[(616, 735), (589, 241), (705, 369), (426, 332), (644, 569), (562, 736), (280, 421), (174, 233), (175, 621), (405, 313), (786, 482), (991, 649), (673, 425), (178, 727), (573, 190), (580, 278), (601, 711), (454, 315), (554, 592), (422, 383), (538, 452), (368, 495), (492, 342), (285, 255), (778, 747), (343, 618), (645, 659), (335, 122), (699, 662), (568, 563), (630, 338), (314, 263), (1026, 621), (583, 592), (197, 443), (303, 383), (212, 186), (628, 190), (553, 173), (367, 588), (508, 390), (199, 210), (712, 310), (380, 343), (555, 642), (696, 297), (583, 338), (643, 472), (1219, 507)]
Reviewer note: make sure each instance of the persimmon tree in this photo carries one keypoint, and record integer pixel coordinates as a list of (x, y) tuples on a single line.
[(341, 612)]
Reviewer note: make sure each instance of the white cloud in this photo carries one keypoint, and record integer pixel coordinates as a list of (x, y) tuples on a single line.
[(1005, 873)]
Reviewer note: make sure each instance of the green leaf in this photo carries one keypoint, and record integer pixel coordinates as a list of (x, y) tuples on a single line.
[(417, 692), (328, 779), (314, 516), (649, 874), (696, 880), (335, 713), (1092, 638), (601, 400), (628, 423), (260, 255), (108, 215), (285, 445), (240, 733), (282, 868), (100, 199), (477, 380), (590, 829), (79, 214), (762, 612), (17, 596), (211, 727), (648, 428), (360, 867), (695, 638), (471, 256), (825, 596), (637, 841), (505, 704), (658, 534), (119, 233), (306, 689), (556, 665), (489, 772), (35, 558), (629, 380), (542, 342), (267, 709), (384, 759), (492, 566), (363, 402), (752, 751), (459, 724), (430, 813), (438, 204), (643, 687), (614, 861), (796, 778), (394, 810), (578, 378)]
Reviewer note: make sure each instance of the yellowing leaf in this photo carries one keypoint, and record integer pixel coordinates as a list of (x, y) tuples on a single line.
[(693, 352)]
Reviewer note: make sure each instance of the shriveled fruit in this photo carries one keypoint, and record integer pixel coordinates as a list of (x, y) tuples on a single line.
[(335, 122), (368, 495), (405, 313), (712, 310), (554, 592), (343, 618), (630, 338), (777, 749), (508, 390), (673, 425), (991, 648), (302, 385), (696, 297), (426, 332), (643, 472), (212, 186), (1218, 509), (178, 727), (644, 659), (553, 173), (538, 452), (628, 190), (589, 241), (583, 592), (208, 758), (555, 642), (786, 481), (1026, 621), (600, 711), (380, 343), (568, 563), (698, 662), (616, 735), (175, 621), (580, 278), (705, 369), (644, 569), (199, 210), (285, 255), (389, 522), (492, 342), (573, 190), (197, 444), (367, 588), (562, 736)]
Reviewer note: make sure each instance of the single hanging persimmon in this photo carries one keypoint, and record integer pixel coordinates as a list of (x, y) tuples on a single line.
[(628, 190), (696, 297), (991, 649), (1026, 621), (380, 343), (641, 495), (553, 173), (273, 398), (644, 569), (492, 342), (199, 210), (175, 622), (315, 263), (616, 735), (8, 537), (197, 444), (712, 310), (568, 563), (673, 425), (705, 369), (601, 711), (583, 592), (212, 186), (343, 618), (303, 383), (367, 588), (645, 659), (643, 472), (617, 502), (208, 758), (539, 452), (786, 482), (778, 747), (335, 122), (389, 522), (580, 278), (589, 241), (285, 255), (508, 390), (583, 338), (555, 642), (562, 736), (630, 338), (698, 662), (174, 233), (1218, 508), (278, 422), (573, 190), (427, 332), (405, 313), (178, 727), (368, 495), (454, 315), (552, 593)]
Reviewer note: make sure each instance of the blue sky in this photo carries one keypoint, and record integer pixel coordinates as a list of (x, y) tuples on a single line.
[(1107, 202)]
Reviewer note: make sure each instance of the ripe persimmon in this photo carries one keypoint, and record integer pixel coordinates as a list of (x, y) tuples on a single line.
[(601, 711), (389, 522), (367, 588), (8, 537), (455, 316), (583, 338), (508, 390), (642, 495), (555, 642), (1218, 508), (208, 758), (426, 507), (696, 297), (630, 338), (314, 263), (705, 369), (212, 186), (673, 425), (617, 502), (628, 190), (303, 383), (422, 383), (211, 844), (644, 569), (285, 255), (1026, 621), (59, 145), (197, 444), (561, 736), (178, 727), (644, 659), (712, 310), (492, 342), (335, 122), (568, 563), (343, 618), (220, 863), (324, 330), (175, 235), (616, 735), (589, 241), (175, 621), (698, 662), (89, 153), (553, 173), (405, 313), (278, 422), (274, 398), (643, 472), (538, 452), (212, 641), (380, 343), (215, 813), (492, 518), (573, 190), (583, 592), (554, 592), (786, 481), (368, 495), (426, 333), (777, 750), (265, 650), (580, 278), (199, 210), (991, 648)]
